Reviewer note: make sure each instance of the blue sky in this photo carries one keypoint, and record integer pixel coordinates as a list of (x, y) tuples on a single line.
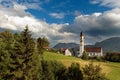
[(67, 8), (58, 11), (63, 20)]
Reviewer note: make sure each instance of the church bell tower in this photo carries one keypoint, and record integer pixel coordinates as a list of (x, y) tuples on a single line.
[(81, 47)]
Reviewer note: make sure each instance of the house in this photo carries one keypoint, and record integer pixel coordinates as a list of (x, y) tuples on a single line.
[(92, 51), (65, 51), (68, 53)]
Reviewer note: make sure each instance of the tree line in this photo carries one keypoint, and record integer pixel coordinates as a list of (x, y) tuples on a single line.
[(21, 59)]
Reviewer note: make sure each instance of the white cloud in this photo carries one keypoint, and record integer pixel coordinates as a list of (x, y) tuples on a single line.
[(94, 1), (57, 15), (108, 3), (31, 4), (96, 26), (16, 18), (77, 13)]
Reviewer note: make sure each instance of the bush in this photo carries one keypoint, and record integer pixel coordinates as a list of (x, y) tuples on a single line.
[(74, 72), (114, 57), (92, 72), (85, 56)]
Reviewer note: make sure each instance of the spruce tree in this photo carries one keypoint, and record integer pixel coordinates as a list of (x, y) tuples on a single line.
[(22, 56), (6, 48)]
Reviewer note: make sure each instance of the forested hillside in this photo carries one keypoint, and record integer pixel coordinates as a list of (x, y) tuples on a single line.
[(21, 58)]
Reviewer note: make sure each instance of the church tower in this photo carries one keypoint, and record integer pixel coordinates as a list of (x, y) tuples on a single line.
[(81, 48)]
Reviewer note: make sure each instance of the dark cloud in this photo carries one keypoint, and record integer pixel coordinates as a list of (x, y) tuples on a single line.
[(96, 26)]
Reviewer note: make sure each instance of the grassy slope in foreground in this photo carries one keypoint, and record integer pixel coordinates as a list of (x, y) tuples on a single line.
[(112, 70)]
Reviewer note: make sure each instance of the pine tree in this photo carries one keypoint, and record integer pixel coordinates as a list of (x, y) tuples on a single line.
[(6, 48), (40, 45), (22, 56)]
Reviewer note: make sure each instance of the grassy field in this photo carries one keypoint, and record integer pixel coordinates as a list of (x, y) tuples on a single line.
[(111, 69)]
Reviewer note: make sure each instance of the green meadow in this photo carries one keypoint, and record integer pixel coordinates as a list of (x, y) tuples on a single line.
[(111, 70)]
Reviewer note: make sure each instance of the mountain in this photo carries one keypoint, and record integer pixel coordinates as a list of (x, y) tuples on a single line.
[(110, 45), (65, 45)]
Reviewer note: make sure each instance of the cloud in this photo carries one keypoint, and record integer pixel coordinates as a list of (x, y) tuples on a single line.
[(108, 3), (94, 1), (16, 18), (31, 4), (96, 26), (57, 15), (77, 13)]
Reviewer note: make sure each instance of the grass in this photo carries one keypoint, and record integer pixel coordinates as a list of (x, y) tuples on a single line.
[(111, 69)]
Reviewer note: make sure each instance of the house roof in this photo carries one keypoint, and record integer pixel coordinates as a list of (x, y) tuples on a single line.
[(46, 47), (63, 49), (93, 49)]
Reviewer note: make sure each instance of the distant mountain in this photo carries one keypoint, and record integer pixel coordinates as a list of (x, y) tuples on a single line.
[(65, 45), (108, 45)]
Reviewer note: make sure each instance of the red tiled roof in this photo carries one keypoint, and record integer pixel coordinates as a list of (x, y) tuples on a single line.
[(93, 49), (46, 47), (63, 49)]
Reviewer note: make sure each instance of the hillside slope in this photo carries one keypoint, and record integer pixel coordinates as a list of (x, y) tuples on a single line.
[(111, 69)]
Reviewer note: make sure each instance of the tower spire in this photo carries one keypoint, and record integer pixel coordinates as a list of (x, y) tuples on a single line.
[(81, 34), (81, 48)]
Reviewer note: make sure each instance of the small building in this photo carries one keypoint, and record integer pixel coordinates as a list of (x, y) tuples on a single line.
[(94, 51), (65, 51), (68, 53)]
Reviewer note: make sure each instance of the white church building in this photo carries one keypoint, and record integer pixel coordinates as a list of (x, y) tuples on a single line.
[(92, 51)]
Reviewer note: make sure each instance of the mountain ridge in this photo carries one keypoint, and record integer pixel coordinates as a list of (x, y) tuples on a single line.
[(109, 45)]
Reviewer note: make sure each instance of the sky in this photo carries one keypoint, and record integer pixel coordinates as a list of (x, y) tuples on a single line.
[(63, 20)]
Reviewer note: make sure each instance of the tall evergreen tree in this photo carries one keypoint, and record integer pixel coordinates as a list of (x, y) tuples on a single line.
[(6, 48), (23, 56), (40, 45)]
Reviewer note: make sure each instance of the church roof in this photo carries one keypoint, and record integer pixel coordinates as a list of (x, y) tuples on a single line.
[(93, 49)]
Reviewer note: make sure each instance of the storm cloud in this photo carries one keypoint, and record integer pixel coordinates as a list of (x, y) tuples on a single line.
[(96, 25)]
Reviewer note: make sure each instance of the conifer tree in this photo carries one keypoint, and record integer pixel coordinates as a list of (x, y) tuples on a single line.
[(6, 48), (40, 46), (23, 56)]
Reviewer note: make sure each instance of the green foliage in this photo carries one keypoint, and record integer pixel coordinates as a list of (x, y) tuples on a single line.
[(92, 72), (20, 61), (74, 72), (6, 47), (72, 51), (53, 70), (85, 56), (21, 64), (114, 57), (41, 43)]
